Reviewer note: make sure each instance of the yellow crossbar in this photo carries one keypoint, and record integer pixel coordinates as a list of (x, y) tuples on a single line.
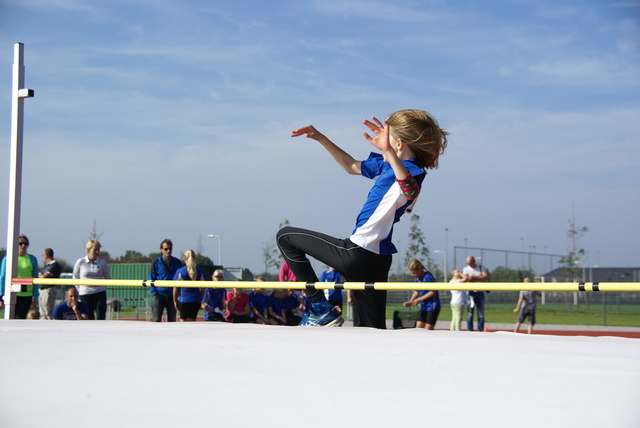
[(488, 286)]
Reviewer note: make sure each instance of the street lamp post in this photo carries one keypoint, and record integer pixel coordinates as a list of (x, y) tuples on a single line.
[(444, 253), (219, 247), (446, 245)]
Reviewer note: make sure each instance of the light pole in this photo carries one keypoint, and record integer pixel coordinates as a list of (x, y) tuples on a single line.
[(219, 247), (446, 245), (444, 253)]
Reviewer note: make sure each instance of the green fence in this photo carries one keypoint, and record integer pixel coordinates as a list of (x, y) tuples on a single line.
[(129, 297)]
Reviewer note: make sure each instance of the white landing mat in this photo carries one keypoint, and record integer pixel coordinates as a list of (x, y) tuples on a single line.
[(125, 374)]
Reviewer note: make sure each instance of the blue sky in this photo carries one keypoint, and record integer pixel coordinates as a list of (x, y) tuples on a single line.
[(172, 119)]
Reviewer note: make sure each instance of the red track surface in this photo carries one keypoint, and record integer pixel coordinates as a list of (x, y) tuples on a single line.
[(593, 333)]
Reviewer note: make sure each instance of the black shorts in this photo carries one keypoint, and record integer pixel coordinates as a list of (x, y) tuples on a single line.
[(189, 310), (429, 317), (527, 313)]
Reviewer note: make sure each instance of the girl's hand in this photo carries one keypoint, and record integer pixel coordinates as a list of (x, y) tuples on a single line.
[(309, 131), (381, 139)]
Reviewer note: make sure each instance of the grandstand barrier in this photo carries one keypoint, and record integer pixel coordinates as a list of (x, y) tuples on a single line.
[(487, 286)]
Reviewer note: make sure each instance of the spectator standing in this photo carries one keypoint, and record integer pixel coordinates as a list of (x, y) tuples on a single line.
[(47, 297), (428, 300), (527, 300), (213, 302), (71, 308), (285, 274), (475, 273), (164, 268), (27, 268), (188, 299), (93, 267), (458, 300)]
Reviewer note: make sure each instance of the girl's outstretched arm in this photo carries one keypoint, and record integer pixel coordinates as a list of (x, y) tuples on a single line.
[(344, 159)]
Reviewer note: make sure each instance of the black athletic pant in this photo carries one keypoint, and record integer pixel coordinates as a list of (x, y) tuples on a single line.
[(354, 263), (97, 304), (23, 304)]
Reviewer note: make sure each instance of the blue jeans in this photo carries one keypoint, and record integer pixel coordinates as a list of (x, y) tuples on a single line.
[(478, 300)]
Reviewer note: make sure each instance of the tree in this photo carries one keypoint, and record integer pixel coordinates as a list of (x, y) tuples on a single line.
[(203, 261), (418, 249), (93, 233), (64, 266), (417, 246), (575, 255), (271, 255), (503, 274), (199, 245), (132, 256), (247, 275), (107, 257)]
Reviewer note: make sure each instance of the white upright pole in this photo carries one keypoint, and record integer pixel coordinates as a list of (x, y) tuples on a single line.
[(445, 267), (219, 247), (15, 179)]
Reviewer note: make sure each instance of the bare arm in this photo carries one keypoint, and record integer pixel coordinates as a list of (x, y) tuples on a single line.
[(408, 303), (520, 299), (345, 160), (76, 311), (176, 296), (427, 296)]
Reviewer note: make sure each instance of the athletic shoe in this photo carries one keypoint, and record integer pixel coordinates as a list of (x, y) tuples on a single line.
[(322, 314)]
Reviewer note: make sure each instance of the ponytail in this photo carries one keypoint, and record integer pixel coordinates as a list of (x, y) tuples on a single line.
[(190, 260)]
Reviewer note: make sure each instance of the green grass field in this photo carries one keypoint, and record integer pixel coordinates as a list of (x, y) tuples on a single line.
[(628, 315), (622, 316)]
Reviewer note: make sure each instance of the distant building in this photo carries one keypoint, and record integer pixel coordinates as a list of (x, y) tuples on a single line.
[(237, 274), (593, 274)]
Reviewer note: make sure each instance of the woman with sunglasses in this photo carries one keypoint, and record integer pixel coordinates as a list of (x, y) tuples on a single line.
[(27, 268)]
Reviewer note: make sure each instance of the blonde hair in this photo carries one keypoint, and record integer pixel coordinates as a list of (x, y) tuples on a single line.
[(190, 260), (415, 265), (90, 244), (421, 132)]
